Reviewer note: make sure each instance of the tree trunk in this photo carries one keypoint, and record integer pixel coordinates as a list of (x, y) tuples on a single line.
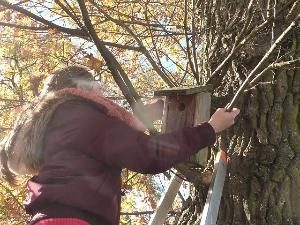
[(263, 181)]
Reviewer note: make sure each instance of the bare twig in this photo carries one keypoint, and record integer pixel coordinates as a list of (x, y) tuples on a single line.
[(294, 7), (194, 48), (268, 8), (73, 32), (19, 3), (187, 40), (170, 33), (185, 73), (261, 62), (23, 27), (238, 46), (287, 64), (69, 13), (274, 24), (144, 213), (249, 15), (166, 79), (152, 38), (139, 21), (177, 64), (110, 44)]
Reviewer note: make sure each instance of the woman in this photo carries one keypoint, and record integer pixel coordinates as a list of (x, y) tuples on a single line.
[(76, 142)]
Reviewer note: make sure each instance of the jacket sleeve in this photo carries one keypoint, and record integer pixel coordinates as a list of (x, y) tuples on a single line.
[(114, 143)]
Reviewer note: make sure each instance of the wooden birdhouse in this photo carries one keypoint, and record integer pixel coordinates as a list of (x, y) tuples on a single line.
[(185, 107)]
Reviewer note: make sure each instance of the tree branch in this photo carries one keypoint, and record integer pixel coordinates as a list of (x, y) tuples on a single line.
[(23, 27), (293, 63), (249, 15), (106, 54), (70, 14), (144, 213), (194, 48), (169, 33), (178, 65), (261, 62), (19, 3), (187, 42), (72, 32), (117, 71), (237, 46), (139, 21), (152, 39), (166, 79)]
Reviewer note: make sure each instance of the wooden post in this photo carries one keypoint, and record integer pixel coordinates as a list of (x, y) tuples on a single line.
[(184, 107)]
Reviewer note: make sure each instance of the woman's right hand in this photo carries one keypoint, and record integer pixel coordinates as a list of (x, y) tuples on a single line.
[(221, 119)]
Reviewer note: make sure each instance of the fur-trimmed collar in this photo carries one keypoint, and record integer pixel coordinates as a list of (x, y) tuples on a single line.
[(22, 149)]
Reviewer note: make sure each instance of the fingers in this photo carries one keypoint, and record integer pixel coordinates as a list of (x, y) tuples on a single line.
[(222, 119), (235, 112)]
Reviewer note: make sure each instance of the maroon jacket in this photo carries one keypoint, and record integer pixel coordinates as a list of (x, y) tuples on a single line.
[(85, 151)]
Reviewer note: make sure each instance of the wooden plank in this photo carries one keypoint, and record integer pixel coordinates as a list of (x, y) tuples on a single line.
[(179, 112), (202, 114), (177, 91)]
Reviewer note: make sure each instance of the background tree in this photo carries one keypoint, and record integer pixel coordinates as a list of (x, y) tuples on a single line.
[(146, 45)]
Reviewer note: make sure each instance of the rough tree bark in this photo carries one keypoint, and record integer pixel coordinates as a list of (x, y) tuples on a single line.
[(263, 181)]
